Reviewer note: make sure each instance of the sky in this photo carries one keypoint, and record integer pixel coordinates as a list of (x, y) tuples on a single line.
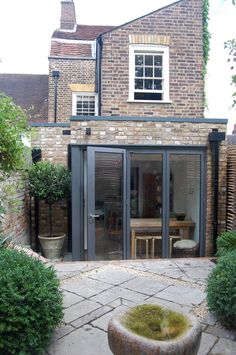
[(26, 27)]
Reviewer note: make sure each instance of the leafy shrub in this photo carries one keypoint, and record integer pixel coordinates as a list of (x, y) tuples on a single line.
[(226, 242), (30, 303), (221, 290)]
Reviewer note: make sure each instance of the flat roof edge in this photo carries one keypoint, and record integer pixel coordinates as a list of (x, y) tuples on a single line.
[(150, 119)]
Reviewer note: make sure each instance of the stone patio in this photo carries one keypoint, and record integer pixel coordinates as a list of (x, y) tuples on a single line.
[(95, 291)]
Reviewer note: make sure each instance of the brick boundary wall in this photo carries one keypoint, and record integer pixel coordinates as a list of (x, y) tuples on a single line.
[(15, 199)]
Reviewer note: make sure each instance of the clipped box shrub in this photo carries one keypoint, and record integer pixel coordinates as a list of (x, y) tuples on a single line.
[(221, 290), (30, 303), (226, 242)]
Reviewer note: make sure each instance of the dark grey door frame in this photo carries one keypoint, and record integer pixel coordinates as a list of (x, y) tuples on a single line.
[(91, 151), (78, 203)]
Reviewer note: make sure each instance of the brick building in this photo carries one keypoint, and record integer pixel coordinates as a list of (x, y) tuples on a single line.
[(126, 109)]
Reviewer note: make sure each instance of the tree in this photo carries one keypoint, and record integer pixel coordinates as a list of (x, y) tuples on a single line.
[(230, 45), (13, 125)]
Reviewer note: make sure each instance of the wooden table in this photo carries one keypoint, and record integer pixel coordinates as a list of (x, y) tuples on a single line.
[(150, 224)]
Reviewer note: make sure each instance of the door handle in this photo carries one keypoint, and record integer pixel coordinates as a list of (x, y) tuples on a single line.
[(94, 215), (91, 217)]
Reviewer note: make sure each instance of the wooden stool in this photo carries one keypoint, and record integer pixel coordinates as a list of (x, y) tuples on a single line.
[(141, 238), (157, 237)]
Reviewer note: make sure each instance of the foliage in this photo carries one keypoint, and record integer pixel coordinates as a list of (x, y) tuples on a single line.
[(231, 47), (49, 182), (206, 35), (30, 303), (221, 290), (226, 242), (13, 124), (155, 322)]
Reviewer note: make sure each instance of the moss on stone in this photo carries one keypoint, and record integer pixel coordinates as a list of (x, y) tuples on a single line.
[(155, 322)]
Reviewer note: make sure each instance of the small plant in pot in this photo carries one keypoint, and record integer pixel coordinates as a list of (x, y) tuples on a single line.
[(50, 182)]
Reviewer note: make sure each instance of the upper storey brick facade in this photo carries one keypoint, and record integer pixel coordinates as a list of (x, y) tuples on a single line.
[(151, 66)]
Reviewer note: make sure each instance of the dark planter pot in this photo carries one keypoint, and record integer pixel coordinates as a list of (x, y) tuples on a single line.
[(123, 341)]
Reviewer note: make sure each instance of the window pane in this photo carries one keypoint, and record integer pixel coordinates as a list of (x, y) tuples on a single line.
[(149, 72), (158, 72), (157, 84), (148, 59), (138, 59), (148, 84), (138, 71), (148, 96), (139, 84), (85, 105), (158, 60)]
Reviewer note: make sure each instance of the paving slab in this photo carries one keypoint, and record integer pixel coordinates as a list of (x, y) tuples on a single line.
[(88, 318), (207, 343), (85, 341), (108, 296), (79, 309), (176, 307), (196, 273), (182, 295), (62, 331), (224, 347), (221, 332), (86, 287), (103, 321), (145, 285), (70, 298), (113, 276)]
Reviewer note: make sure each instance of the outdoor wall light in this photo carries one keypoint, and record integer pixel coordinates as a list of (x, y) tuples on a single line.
[(88, 131)]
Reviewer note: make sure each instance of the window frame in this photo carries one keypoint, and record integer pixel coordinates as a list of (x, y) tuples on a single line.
[(84, 93), (145, 50)]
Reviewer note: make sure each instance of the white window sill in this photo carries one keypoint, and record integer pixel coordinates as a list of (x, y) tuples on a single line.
[(150, 101)]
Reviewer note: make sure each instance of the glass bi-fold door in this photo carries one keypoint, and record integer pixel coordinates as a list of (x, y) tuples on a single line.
[(106, 196)]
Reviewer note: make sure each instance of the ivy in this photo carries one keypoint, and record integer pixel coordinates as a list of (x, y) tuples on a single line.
[(206, 35)]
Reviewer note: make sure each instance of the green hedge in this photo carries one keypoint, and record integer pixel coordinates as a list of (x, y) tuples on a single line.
[(221, 290), (30, 303), (226, 242)]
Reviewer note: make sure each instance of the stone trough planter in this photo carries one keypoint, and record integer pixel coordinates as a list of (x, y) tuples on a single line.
[(126, 342)]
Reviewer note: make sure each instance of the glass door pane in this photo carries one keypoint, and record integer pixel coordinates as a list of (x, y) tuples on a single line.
[(184, 209), (146, 205), (105, 203)]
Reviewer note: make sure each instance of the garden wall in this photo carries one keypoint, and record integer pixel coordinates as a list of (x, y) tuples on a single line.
[(15, 201)]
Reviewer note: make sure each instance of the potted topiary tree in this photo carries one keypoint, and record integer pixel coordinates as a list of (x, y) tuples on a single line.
[(50, 182)]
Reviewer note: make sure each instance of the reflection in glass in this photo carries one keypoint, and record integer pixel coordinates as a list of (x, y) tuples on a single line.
[(185, 209), (108, 205), (146, 190)]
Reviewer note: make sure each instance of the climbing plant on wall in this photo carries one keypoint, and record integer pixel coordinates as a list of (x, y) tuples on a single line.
[(206, 35)]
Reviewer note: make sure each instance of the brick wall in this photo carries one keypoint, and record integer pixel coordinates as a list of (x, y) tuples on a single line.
[(54, 147), (182, 23), (71, 71), (15, 201)]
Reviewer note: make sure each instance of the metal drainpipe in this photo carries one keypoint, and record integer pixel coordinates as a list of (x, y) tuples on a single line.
[(215, 138), (55, 75), (98, 73)]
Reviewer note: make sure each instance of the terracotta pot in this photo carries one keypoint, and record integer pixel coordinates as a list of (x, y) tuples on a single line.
[(125, 342), (52, 245)]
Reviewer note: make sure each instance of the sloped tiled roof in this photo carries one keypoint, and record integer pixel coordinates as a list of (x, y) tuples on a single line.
[(30, 91), (70, 49), (83, 32)]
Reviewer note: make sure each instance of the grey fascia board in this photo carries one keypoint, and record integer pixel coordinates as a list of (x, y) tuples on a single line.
[(150, 119), (49, 124)]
